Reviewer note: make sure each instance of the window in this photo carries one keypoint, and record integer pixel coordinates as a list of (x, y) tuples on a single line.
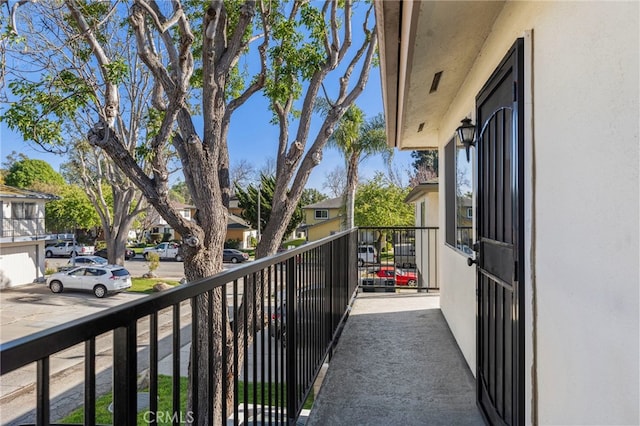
[(78, 272), (458, 198), (322, 214), (23, 210)]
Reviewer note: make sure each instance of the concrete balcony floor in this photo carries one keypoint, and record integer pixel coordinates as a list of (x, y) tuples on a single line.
[(396, 363)]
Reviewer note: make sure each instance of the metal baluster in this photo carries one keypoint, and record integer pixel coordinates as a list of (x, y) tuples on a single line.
[(90, 382)]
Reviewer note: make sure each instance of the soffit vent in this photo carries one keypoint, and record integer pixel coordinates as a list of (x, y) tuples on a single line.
[(436, 81)]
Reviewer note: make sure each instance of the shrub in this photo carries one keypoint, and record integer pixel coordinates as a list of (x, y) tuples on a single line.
[(232, 244), (48, 269), (154, 262)]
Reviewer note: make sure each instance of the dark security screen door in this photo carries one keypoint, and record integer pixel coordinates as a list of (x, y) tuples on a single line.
[(500, 311)]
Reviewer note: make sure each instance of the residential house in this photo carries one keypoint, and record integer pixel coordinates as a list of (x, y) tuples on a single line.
[(161, 231), (237, 228), (323, 218), (546, 313), (22, 241), (425, 197)]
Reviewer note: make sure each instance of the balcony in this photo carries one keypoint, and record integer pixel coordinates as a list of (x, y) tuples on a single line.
[(393, 354), (22, 230)]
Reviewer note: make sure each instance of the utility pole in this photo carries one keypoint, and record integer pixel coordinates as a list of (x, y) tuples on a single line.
[(259, 197)]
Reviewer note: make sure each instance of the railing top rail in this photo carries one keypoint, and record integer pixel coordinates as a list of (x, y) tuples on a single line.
[(408, 228), (25, 350)]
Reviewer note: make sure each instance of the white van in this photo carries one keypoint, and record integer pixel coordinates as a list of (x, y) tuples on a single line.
[(367, 254), (404, 255)]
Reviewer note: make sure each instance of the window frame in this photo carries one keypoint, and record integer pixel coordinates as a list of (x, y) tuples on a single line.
[(325, 211), (457, 236), (23, 210)]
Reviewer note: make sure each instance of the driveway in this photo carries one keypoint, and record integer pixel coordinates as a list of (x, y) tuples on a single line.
[(31, 308)]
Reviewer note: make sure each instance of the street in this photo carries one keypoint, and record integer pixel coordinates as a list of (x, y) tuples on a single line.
[(137, 266)]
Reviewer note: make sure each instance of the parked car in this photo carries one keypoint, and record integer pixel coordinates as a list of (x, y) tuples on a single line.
[(367, 254), (400, 276), (165, 250), (100, 279), (313, 298), (128, 253), (234, 256), (67, 248), (82, 261), (405, 255), (87, 260)]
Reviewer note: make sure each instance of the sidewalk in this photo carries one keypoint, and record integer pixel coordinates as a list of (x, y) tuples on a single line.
[(396, 363)]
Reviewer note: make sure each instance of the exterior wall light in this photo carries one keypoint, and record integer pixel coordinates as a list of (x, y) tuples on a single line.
[(466, 134)]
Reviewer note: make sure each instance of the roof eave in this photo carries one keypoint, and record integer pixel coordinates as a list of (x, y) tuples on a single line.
[(417, 41)]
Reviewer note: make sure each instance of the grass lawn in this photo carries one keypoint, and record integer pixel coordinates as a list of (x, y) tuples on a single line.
[(386, 256), (295, 243), (145, 285), (103, 416)]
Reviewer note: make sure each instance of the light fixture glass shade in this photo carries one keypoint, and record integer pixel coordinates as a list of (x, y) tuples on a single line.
[(466, 135), (467, 132)]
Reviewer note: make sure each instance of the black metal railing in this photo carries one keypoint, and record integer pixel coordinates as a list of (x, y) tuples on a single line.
[(392, 258), (16, 228), (273, 350)]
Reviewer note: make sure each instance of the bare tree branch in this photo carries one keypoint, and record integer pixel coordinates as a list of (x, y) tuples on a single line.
[(162, 23), (112, 99)]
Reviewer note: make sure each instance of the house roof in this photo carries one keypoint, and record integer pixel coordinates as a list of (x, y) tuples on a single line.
[(420, 190), (181, 206), (426, 50), (233, 222), (236, 222), (7, 191), (329, 203)]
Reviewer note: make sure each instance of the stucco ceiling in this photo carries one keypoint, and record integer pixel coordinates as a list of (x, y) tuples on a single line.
[(419, 40)]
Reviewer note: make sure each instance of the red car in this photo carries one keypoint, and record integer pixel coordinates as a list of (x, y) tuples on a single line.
[(401, 276)]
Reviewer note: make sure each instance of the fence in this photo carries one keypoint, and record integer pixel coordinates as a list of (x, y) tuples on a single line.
[(280, 319), (16, 228), (392, 258)]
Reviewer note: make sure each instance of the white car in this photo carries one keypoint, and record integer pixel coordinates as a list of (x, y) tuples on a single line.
[(100, 279), (367, 254)]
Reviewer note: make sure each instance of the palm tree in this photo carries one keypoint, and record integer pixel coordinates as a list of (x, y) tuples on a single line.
[(358, 139)]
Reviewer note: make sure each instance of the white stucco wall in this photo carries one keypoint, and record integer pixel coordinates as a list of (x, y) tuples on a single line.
[(582, 227), (432, 203), (426, 244), (457, 280)]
